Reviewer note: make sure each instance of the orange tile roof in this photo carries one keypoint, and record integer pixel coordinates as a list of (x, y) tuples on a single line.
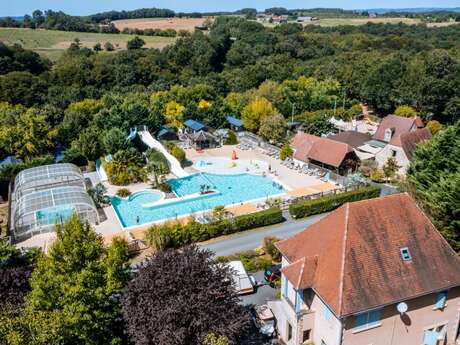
[(352, 259), (399, 125), (302, 144), (409, 141), (323, 150)]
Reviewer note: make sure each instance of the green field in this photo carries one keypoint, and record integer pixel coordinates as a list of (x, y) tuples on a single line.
[(52, 43)]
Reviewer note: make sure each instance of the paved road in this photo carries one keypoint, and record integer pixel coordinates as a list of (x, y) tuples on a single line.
[(252, 239)]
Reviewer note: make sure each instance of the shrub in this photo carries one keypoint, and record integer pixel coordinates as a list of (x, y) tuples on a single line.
[(405, 111), (176, 151), (123, 192), (434, 126), (270, 249), (286, 151), (262, 218), (179, 235), (378, 176), (328, 203), (231, 139)]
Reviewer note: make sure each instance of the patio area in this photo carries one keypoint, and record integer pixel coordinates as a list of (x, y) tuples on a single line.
[(292, 179)]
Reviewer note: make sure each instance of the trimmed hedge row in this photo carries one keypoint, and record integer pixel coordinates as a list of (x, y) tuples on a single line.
[(175, 235), (331, 202)]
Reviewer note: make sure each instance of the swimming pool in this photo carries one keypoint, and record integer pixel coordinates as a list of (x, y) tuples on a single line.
[(53, 215), (226, 190), (222, 165)]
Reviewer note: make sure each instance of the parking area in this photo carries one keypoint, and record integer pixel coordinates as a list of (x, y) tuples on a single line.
[(263, 294)]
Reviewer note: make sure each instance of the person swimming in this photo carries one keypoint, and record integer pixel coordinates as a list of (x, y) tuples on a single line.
[(137, 219)]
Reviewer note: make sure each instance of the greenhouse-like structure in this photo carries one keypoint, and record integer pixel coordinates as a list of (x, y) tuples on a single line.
[(48, 195), (46, 176)]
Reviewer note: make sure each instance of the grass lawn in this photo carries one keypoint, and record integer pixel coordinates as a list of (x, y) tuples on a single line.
[(51, 43)]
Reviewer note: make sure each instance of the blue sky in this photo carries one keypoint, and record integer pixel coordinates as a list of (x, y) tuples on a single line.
[(82, 7)]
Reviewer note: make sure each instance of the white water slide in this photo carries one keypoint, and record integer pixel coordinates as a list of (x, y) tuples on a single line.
[(151, 142)]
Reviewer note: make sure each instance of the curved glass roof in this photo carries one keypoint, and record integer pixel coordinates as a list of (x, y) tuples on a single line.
[(59, 196), (47, 175)]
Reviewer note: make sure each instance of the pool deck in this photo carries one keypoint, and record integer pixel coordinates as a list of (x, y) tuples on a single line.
[(288, 177), (296, 183)]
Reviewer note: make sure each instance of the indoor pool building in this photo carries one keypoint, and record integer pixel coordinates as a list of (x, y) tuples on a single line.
[(46, 195)]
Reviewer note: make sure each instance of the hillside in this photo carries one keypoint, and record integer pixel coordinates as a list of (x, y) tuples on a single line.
[(52, 43)]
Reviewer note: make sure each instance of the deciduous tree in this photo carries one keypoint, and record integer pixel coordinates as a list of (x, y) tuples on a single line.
[(254, 112), (78, 282), (181, 296)]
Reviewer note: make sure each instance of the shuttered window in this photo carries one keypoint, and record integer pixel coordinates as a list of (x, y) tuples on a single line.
[(367, 320), (441, 298)]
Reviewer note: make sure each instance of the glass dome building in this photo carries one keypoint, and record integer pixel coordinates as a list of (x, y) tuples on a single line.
[(46, 195)]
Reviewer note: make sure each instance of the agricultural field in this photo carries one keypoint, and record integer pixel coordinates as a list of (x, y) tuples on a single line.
[(328, 22), (160, 23), (52, 43), (362, 21)]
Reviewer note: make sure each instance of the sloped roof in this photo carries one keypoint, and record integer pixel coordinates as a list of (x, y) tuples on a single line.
[(195, 125), (399, 125), (409, 141), (10, 160), (302, 144), (234, 121), (356, 257), (323, 150), (353, 138)]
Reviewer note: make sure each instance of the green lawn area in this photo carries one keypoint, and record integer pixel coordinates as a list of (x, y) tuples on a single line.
[(51, 43)]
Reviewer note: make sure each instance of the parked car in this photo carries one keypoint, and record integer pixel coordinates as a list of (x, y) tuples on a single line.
[(264, 320), (272, 273)]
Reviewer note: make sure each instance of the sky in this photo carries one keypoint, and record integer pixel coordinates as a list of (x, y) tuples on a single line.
[(84, 7)]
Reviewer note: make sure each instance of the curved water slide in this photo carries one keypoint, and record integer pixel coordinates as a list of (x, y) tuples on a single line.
[(151, 142)]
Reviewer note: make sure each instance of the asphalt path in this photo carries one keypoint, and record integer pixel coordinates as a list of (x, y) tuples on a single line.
[(252, 239)]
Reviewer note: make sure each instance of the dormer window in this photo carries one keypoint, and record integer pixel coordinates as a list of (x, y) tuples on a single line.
[(405, 254), (388, 134)]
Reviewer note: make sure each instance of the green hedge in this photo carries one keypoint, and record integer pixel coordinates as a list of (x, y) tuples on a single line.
[(331, 202), (175, 235)]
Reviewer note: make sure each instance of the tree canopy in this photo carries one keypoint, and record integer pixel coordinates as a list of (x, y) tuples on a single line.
[(77, 283), (434, 179), (181, 296)]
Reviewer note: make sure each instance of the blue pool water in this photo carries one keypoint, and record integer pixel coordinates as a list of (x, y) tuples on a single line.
[(53, 215), (230, 189)]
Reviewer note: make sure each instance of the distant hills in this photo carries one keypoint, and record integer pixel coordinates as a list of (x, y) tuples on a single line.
[(371, 10), (413, 10)]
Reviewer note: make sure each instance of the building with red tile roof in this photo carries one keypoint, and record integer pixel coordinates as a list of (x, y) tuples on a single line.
[(334, 155), (343, 278)]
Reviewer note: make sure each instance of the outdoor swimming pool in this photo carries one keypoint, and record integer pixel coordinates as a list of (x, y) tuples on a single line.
[(221, 165), (227, 190)]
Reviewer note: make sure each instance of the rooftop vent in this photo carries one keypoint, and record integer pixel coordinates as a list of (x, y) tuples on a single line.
[(405, 254)]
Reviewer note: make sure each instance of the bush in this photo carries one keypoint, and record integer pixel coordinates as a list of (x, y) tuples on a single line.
[(377, 175), (328, 203), (123, 192), (286, 151), (259, 219), (176, 151), (270, 249), (231, 139), (175, 235)]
